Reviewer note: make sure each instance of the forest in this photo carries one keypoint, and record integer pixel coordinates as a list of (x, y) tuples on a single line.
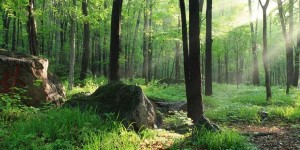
[(149, 74)]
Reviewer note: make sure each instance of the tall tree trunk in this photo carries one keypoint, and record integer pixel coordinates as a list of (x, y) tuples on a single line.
[(219, 70), (177, 55), (289, 48), (297, 54), (265, 51), (255, 73), (31, 28), (115, 47), (14, 35), (150, 51), (208, 50), (146, 43), (86, 42), (6, 23), (136, 29), (72, 48), (192, 61), (226, 67)]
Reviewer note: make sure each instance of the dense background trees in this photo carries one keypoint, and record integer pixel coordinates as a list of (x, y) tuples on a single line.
[(150, 39)]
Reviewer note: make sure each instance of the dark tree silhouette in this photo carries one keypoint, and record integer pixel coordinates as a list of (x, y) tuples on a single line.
[(31, 28), (86, 42), (115, 47), (208, 50)]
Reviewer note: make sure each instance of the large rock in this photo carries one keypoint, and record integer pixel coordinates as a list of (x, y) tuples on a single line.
[(29, 73), (128, 101)]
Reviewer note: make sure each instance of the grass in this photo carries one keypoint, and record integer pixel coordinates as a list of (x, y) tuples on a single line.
[(227, 139), (231, 104), (62, 128), (68, 129)]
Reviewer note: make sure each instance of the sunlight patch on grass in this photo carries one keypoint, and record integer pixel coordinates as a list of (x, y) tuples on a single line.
[(226, 139)]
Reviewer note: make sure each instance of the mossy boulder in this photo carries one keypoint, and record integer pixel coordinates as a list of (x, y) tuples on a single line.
[(127, 101), (31, 74)]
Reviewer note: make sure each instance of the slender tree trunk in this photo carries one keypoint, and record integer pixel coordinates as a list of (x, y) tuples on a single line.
[(115, 47), (255, 73), (146, 43), (226, 67), (177, 55), (150, 51), (136, 29), (297, 54), (72, 48), (14, 35), (208, 50), (86, 42), (31, 28), (219, 70), (289, 48), (265, 51), (6, 23)]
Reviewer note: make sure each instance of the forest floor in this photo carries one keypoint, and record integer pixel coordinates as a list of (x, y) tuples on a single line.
[(273, 136), (247, 121)]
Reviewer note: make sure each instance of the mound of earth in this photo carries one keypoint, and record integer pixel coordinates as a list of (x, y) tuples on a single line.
[(128, 101), (31, 74)]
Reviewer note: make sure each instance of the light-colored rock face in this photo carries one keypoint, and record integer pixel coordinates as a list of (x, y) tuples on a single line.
[(29, 73), (144, 114)]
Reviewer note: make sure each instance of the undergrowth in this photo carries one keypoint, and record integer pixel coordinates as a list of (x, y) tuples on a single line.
[(69, 129)]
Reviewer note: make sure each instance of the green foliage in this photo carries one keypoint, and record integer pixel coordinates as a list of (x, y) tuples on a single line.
[(68, 129), (89, 85), (226, 139), (165, 92)]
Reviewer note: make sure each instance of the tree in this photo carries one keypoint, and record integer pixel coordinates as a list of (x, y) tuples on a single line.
[(265, 50), (289, 48), (31, 29), (255, 73), (146, 43), (297, 54), (115, 47), (208, 50), (191, 52), (86, 42), (72, 47)]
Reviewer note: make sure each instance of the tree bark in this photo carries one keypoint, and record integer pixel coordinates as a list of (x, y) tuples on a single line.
[(146, 43), (208, 50), (115, 47), (177, 55), (297, 54), (265, 51), (150, 51), (255, 73), (136, 29), (289, 48), (14, 35), (72, 48), (31, 28), (86, 42)]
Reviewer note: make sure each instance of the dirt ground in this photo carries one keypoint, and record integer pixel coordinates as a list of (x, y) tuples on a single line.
[(273, 136)]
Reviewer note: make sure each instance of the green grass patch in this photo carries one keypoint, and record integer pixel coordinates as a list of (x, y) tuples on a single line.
[(68, 129), (226, 139), (170, 93)]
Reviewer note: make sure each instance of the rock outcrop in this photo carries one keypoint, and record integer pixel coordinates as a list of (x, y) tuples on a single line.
[(31, 74), (127, 101)]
